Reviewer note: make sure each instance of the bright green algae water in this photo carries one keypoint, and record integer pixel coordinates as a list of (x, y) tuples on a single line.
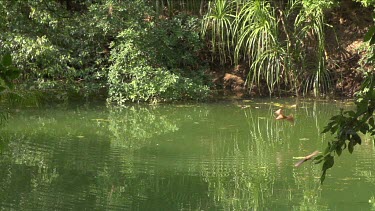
[(179, 157)]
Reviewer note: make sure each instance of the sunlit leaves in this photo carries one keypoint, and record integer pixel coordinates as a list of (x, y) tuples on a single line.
[(157, 63), (366, 3)]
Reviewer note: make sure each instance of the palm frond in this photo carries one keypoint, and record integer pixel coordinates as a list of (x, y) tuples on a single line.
[(219, 20)]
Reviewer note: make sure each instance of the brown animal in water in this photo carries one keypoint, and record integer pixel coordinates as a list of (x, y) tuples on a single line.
[(308, 157), (281, 116)]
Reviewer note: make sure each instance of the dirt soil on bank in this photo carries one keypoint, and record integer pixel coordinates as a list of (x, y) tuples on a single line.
[(344, 40)]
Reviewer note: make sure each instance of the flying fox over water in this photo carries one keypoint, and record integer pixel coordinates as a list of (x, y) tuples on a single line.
[(281, 116)]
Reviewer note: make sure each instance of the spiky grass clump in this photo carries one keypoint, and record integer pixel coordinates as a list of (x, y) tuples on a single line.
[(279, 54)]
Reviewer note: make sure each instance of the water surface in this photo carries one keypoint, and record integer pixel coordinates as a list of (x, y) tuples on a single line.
[(179, 157)]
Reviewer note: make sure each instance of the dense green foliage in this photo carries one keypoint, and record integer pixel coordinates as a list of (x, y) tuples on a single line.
[(282, 43), (74, 44), (156, 50), (52, 45), (157, 62)]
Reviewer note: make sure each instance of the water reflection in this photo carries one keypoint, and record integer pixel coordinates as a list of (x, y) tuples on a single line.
[(173, 157), (134, 126)]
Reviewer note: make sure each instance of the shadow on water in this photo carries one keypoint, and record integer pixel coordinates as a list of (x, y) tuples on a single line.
[(177, 157)]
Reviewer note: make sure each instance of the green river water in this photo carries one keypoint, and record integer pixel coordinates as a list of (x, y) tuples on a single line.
[(215, 156)]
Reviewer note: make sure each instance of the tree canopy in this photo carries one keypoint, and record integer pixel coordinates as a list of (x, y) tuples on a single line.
[(165, 50)]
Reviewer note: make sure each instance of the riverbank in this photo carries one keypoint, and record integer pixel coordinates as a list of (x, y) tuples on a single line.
[(346, 55)]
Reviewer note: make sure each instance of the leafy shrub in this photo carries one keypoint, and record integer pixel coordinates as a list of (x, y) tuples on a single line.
[(157, 63), (55, 46), (150, 60)]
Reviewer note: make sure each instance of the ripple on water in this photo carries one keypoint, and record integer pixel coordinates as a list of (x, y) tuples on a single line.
[(68, 162)]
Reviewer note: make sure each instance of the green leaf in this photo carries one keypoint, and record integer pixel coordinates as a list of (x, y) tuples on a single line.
[(364, 129), (369, 34), (326, 129), (357, 139), (371, 122), (318, 157), (351, 146), (327, 150), (328, 163), (319, 161), (338, 150), (8, 83), (2, 88), (7, 60), (350, 113), (323, 177), (337, 117), (372, 41), (334, 129), (362, 107), (14, 74)]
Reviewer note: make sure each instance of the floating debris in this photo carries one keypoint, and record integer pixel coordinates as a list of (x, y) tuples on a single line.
[(304, 159)]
